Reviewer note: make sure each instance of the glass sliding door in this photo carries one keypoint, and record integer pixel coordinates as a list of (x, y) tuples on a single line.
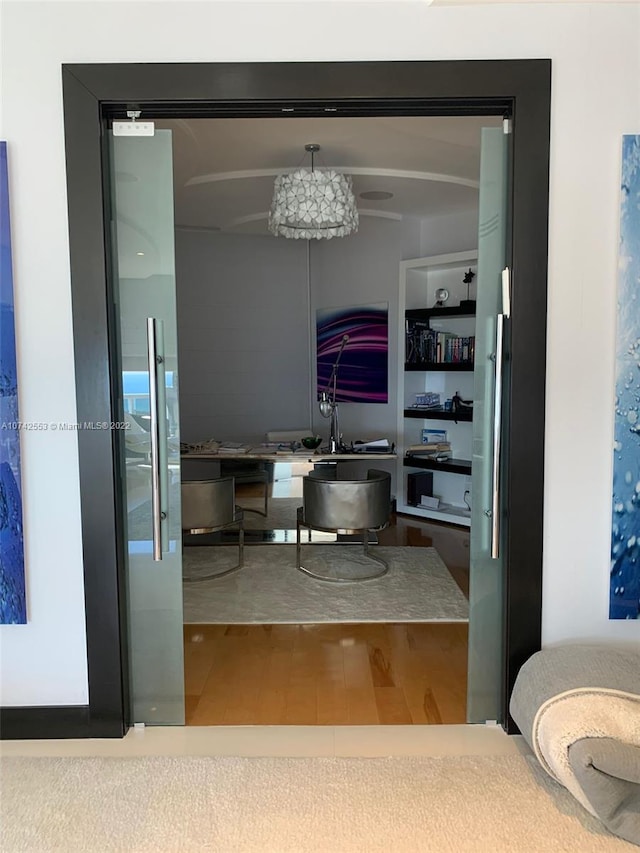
[(142, 233), (489, 451)]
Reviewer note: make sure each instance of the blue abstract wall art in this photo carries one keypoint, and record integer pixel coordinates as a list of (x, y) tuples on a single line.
[(624, 596), (13, 609), (363, 368)]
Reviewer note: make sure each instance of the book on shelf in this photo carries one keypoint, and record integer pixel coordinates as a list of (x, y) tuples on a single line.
[(423, 344), (438, 450)]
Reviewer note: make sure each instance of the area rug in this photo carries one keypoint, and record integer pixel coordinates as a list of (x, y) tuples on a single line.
[(281, 513), (451, 804), (269, 589)]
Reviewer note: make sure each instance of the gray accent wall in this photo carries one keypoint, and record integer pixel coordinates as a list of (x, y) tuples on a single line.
[(243, 335)]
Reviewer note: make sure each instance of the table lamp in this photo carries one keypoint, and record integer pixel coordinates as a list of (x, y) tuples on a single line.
[(329, 407)]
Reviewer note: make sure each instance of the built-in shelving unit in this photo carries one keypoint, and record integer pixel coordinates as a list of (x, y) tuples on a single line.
[(438, 344)]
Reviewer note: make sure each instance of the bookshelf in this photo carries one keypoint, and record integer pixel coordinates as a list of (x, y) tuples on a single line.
[(437, 350)]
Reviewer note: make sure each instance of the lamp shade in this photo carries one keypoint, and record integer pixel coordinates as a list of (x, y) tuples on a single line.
[(313, 205)]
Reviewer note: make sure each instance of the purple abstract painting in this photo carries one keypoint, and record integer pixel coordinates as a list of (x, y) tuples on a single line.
[(362, 375)]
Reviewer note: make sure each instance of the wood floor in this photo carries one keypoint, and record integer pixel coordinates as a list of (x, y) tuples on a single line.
[(325, 674), (364, 674)]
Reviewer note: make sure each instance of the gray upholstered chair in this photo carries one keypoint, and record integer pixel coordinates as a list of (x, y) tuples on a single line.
[(344, 506), (207, 507)]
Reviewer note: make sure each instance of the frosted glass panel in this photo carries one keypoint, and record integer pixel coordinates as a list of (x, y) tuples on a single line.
[(143, 237), (486, 582)]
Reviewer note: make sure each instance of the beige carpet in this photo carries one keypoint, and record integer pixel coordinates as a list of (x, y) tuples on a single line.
[(447, 804), (269, 589), (281, 513)]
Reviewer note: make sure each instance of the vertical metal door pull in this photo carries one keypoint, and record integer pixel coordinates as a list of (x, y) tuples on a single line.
[(497, 428), (497, 414), (156, 510)]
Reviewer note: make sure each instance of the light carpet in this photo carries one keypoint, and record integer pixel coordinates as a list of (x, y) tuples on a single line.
[(281, 513), (292, 805), (269, 589)]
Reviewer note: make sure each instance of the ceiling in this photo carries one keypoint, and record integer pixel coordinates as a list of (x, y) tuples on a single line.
[(224, 169)]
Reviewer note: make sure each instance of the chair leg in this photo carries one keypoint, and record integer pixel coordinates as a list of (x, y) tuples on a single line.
[(371, 555), (374, 576), (263, 512), (240, 544), (215, 575)]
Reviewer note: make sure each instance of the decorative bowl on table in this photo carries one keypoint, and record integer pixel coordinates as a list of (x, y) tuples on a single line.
[(311, 442)]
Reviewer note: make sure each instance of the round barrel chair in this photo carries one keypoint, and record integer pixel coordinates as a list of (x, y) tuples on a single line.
[(344, 507)]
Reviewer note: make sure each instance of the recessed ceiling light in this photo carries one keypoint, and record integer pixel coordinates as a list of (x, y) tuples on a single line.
[(376, 195), (140, 254)]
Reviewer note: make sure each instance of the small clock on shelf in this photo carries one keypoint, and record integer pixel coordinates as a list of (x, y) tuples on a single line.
[(442, 294)]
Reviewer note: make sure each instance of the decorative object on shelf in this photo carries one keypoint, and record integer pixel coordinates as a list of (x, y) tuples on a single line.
[(468, 303), (442, 294), (429, 436), (468, 278), (364, 370), (313, 205), (624, 593), (311, 442), (428, 400), (458, 405), (13, 608)]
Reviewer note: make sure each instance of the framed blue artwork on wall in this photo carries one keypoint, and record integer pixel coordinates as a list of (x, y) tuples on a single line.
[(363, 370), (624, 595), (13, 609)]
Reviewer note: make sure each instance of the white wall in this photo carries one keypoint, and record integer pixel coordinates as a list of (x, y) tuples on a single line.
[(596, 68)]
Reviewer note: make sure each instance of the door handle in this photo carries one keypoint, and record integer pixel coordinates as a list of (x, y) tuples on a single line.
[(155, 360), (497, 439), (497, 413)]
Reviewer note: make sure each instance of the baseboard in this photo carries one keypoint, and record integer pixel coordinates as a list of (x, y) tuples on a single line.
[(54, 722)]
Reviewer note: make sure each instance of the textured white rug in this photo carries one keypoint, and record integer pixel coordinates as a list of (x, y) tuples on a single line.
[(269, 589), (281, 513), (468, 804)]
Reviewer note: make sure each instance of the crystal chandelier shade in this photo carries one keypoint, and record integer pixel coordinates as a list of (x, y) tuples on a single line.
[(313, 205)]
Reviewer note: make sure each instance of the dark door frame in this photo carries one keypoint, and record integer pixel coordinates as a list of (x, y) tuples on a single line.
[(93, 94)]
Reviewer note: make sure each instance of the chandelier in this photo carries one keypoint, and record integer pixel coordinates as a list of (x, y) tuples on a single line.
[(310, 205)]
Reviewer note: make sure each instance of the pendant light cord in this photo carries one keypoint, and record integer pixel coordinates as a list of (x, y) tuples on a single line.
[(310, 348)]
